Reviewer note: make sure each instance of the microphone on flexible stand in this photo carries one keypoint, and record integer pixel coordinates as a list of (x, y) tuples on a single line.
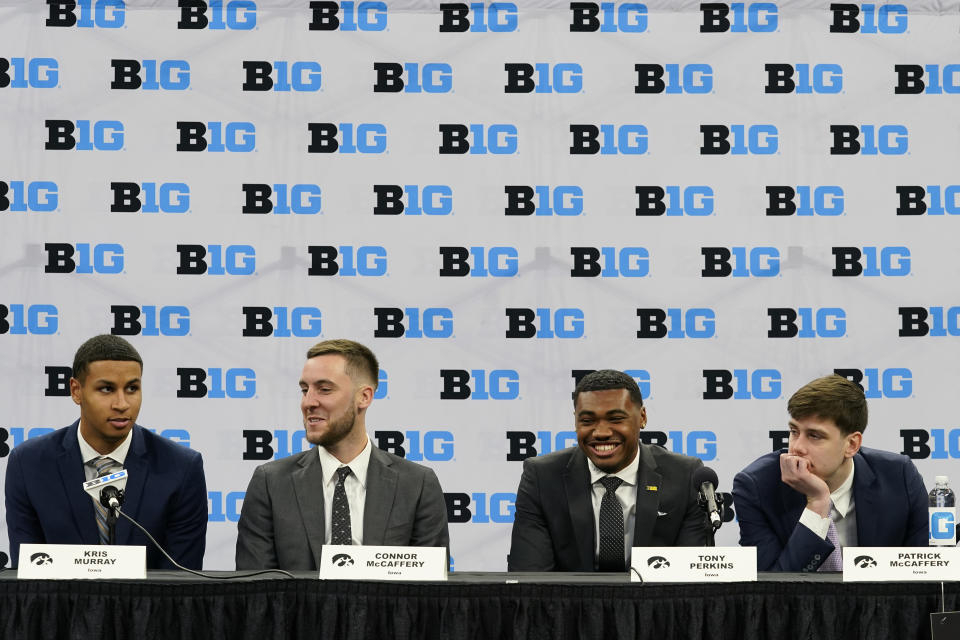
[(108, 491), (705, 482)]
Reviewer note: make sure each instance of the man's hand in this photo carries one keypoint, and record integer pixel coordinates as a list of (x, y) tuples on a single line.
[(796, 474)]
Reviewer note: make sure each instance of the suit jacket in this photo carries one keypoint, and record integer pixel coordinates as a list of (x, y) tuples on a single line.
[(166, 493), (282, 523), (554, 526), (889, 499)]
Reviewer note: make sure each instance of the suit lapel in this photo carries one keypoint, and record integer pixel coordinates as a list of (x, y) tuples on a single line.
[(864, 503), (308, 488), (381, 488), (136, 465), (576, 483), (794, 503), (70, 466), (648, 499)]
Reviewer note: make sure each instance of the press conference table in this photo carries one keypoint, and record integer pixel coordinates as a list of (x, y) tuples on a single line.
[(174, 605)]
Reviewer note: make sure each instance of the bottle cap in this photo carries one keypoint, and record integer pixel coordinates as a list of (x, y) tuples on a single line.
[(942, 480)]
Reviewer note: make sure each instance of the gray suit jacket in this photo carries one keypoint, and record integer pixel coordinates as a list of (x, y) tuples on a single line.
[(553, 527), (282, 526)]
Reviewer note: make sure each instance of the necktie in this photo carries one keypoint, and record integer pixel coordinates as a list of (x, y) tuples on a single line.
[(104, 466), (340, 519), (834, 561), (611, 526)]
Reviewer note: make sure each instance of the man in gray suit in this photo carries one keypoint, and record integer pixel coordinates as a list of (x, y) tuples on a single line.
[(344, 491)]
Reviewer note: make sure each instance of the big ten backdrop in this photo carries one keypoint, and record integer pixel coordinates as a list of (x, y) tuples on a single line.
[(724, 200)]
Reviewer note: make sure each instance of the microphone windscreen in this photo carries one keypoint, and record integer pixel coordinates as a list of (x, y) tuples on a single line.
[(705, 474)]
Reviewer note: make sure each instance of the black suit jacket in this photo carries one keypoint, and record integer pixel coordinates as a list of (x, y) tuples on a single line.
[(554, 525)]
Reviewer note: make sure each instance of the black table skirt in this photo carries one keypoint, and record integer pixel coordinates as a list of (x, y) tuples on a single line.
[(169, 607)]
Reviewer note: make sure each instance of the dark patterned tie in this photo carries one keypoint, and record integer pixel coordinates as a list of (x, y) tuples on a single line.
[(611, 527), (104, 466), (340, 519)]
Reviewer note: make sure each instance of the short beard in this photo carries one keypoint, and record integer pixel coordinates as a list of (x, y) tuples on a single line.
[(337, 429)]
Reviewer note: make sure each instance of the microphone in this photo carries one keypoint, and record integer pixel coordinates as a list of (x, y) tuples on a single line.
[(108, 490), (705, 481)]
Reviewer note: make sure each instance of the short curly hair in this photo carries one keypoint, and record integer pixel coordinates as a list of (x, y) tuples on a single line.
[(605, 379)]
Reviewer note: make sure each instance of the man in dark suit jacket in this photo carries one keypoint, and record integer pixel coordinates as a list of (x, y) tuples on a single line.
[(788, 501), (165, 492), (291, 507), (557, 519)]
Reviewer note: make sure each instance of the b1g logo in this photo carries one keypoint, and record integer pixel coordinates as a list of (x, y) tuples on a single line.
[(478, 139), (19, 196), (32, 319), (497, 384), (698, 444), (917, 443), (218, 137), (869, 18), (748, 262), (234, 383), (150, 320), (431, 200), (608, 17), (216, 260), (281, 75), (437, 322), (33, 73), (886, 140), (370, 261), (84, 135), (239, 15), (741, 384), (19, 435), (476, 17), (225, 506), (755, 139), (544, 324), (354, 138), (943, 199), (804, 78), (691, 201), (282, 322), (100, 14), (895, 382), (739, 17), (58, 381), (479, 262), (610, 262), (83, 257), (168, 75), (413, 77), (528, 444), (825, 200), (562, 77), (261, 444), (936, 322), (150, 197), (807, 322), (871, 261), (480, 508), (695, 79), (608, 139), (543, 200), (433, 446), (282, 199), (348, 16), (676, 323), (915, 79)]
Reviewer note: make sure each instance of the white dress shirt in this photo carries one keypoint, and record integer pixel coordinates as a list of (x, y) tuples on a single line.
[(355, 486), (626, 494), (842, 512), (88, 453)]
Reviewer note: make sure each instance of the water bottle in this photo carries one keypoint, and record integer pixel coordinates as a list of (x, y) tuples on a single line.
[(943, 514)]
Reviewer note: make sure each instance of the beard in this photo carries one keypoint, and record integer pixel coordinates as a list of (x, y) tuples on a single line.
[(337, 429)]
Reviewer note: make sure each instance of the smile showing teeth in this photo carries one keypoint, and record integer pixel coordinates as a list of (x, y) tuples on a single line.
[(604, 448)]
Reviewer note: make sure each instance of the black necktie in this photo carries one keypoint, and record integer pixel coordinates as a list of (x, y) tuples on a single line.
[(611, 527), (340, 519)]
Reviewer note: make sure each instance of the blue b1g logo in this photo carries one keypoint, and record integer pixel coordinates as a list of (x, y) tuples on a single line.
[(943, 525), (240, 15), (348, 16), (169, 75), (35, 319), (84, 135), (413, 77), (102, 14), (39, 196), (477, 17), (83, 258), (35, 73)]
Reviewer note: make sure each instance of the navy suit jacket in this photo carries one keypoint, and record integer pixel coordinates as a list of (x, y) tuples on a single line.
[(166, 493), (554, 526), (889, 499)]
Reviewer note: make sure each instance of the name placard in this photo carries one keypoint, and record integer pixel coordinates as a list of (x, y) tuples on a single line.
[(73, 561), (693, 564), (351, 562), (900, 564)]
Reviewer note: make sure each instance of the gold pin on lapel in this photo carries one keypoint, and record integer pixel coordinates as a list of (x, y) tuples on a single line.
[(651, 487)]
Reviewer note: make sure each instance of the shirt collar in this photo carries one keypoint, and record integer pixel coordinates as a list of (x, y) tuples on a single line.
[(628, 474), (88, 453), (358, 466), (842, 498)]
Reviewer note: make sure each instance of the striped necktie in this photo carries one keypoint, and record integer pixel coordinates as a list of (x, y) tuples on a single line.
[(104, 466)]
